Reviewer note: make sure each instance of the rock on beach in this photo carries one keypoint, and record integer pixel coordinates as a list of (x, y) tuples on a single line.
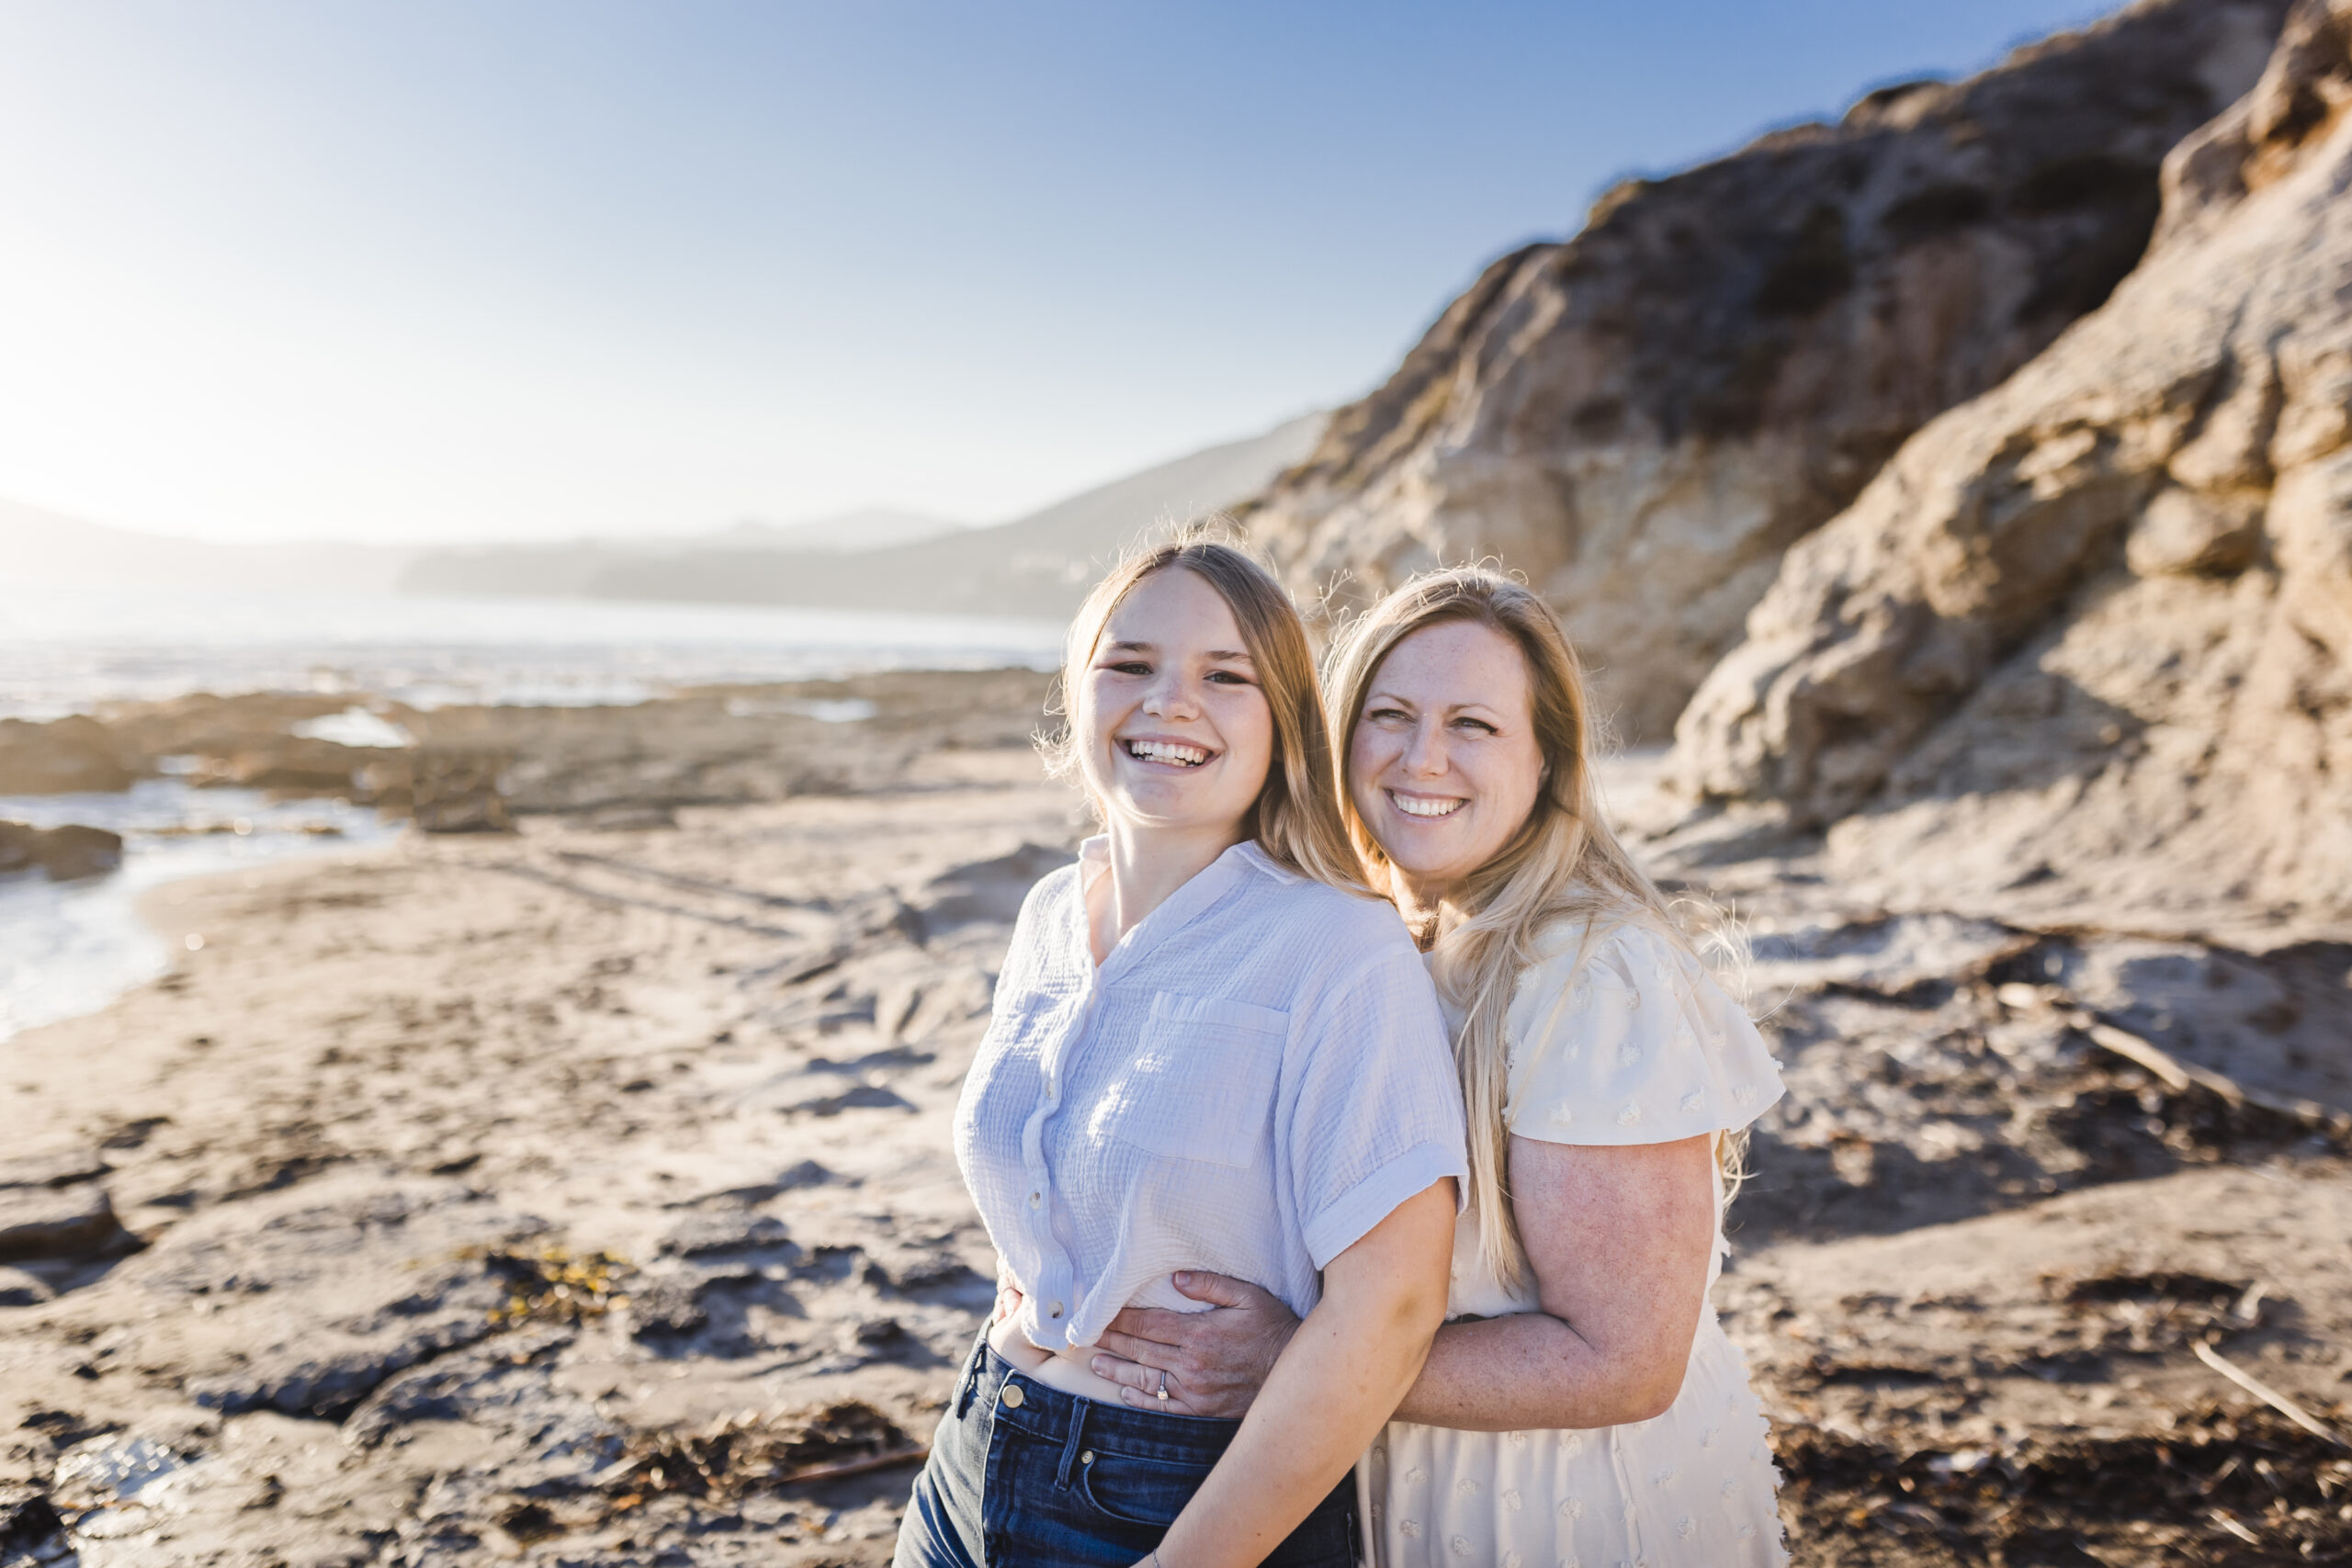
[(66, 853)]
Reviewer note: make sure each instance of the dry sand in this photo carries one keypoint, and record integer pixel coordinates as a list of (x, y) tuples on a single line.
[(556, 1196)]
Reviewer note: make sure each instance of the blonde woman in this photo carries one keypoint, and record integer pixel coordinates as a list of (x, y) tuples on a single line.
[(1210, 1044), (1581, 1405)]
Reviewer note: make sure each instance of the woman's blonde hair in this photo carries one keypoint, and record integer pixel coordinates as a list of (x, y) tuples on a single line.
[(1297, 819), (1563, 865)]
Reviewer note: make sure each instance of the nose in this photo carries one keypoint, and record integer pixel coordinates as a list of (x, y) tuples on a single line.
[(1425, 755), (1170, 697)]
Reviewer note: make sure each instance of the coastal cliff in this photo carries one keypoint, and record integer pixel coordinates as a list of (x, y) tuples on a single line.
[(2084, 645), (1643, 418)]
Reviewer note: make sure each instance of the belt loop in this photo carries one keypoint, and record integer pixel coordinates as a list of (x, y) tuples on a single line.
[(971, 1383), (1069, 1443)]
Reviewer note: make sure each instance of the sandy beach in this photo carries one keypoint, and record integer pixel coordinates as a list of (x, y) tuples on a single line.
[(583, 1194)]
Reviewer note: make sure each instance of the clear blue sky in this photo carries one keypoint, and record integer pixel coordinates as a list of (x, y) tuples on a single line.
[(441, 269)]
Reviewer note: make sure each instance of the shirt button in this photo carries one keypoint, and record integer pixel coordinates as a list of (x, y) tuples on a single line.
[(1054, 1310), (1036, 1198)]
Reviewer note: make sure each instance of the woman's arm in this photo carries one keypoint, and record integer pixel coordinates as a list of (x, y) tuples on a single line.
[(1617, 1238), (1334, 1386)]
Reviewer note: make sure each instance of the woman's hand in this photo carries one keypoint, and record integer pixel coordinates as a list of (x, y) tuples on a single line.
[(1213, 1361)]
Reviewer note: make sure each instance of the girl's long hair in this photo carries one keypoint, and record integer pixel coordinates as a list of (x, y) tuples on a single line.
[(1563, 867), (1297, 819)]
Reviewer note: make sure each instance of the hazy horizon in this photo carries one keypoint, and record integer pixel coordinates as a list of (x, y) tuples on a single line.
[(440, 275)]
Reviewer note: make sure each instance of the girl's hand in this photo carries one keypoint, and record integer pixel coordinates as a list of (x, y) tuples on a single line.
[(1008, 1297), (1215, 1361)]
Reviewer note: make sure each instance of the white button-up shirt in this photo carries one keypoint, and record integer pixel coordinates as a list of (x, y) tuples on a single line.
[(1255, 1076)]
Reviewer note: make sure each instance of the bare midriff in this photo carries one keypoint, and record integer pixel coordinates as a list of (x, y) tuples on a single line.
[(1069, 1370)]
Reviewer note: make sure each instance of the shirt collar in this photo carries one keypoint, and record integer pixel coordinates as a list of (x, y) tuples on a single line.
[(1195, 898)]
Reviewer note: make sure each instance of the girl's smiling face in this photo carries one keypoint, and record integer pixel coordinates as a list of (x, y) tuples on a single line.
[(1443, 766), (1177, 731)]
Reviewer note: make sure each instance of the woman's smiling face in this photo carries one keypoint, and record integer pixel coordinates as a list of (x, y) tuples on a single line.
[(1443, 766), (1178, 734)]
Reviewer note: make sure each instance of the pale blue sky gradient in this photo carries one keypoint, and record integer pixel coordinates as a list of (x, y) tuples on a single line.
[(518, 268)]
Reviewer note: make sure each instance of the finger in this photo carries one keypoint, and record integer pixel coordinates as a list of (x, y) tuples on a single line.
[(1147, 1401), (1150, 1352), (1126, 1375), (1172, 1329), (1152, 1323), (1222, 1289)]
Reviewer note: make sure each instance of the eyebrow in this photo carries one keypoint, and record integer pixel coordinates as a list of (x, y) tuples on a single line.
[(1215, 653), (1380, 696)]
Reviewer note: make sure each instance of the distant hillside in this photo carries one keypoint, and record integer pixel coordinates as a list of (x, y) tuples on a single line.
[(42, 546), (868, 528), (875, 559), (573, 569), (1037, 564)]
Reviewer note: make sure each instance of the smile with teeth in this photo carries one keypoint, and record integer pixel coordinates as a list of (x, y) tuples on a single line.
[(1167, 751), (1425, 805)]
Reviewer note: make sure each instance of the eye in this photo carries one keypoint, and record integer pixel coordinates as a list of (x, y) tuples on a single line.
[(1476, 724), (1229, 678), (1382, 715), (1129, 667)]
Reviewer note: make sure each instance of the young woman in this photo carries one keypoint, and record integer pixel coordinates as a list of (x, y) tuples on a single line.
[(1582, 1405), (1210, 1046)]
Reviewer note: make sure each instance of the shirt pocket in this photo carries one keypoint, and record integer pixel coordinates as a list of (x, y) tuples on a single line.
[(1203, 1087)]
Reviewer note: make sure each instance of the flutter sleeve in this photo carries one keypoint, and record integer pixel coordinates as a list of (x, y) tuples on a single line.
[(1626, 1039)]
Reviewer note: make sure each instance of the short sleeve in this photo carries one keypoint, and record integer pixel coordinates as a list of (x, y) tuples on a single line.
[(1374, 1113), (1630, 1041)]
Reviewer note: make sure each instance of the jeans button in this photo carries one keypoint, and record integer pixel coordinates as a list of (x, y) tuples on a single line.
[(1012, 1395)]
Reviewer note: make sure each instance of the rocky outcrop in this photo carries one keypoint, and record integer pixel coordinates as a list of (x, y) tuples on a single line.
[(2085, 649), (1644, 418), (65, 853), (62, 757)]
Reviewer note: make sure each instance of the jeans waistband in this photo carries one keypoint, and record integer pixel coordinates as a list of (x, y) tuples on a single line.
[(1046, 1412)]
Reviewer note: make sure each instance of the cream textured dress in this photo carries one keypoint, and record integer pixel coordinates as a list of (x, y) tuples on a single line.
[(1635, 1044)]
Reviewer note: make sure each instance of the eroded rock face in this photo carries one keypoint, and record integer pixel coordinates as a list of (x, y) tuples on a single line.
[(2085, 645), (1644, 418)]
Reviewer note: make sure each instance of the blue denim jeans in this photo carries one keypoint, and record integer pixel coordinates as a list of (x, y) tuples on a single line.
[(1021, 1475)]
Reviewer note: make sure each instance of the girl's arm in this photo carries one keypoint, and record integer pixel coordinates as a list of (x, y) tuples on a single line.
[(1333, 1387), (1617, 1238)]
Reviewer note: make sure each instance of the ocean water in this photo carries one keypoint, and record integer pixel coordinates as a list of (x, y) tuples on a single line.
[(69, 949), (65, 648)]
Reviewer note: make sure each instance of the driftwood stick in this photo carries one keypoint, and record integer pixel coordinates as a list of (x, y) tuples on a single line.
[(856, 1466), (2179, 1076), (2268, 1395)]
